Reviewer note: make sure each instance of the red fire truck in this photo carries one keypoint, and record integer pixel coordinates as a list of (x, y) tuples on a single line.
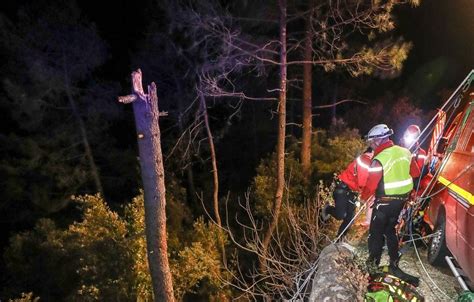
[(450, 210)]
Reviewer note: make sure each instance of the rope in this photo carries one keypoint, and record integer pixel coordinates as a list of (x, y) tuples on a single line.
[(463, 87), (456, 135), (426, 272), (466, 169), (350, 223), (419, 238)]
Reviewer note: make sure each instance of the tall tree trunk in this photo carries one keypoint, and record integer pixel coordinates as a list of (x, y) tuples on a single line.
[(82, 129), (281, 138), (307, 101), (145, 109), (215, 175)]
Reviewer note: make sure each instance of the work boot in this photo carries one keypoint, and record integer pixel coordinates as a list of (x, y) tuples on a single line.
[(324, 213), (394, 270)]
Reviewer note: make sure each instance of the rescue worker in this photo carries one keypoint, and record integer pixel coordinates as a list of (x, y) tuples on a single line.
[(349, 184), (390, 180), (418, 166)]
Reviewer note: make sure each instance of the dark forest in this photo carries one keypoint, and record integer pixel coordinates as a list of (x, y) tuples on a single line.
[(261, 104)]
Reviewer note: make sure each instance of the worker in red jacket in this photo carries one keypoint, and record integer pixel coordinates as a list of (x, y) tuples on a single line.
[(418, 166), (390, 180), (348, 184)]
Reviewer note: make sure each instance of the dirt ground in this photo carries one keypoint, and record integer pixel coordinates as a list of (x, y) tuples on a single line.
[(436, 284)]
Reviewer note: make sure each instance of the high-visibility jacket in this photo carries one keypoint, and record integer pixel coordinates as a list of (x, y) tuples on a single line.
[(395, 162), (356, 173)]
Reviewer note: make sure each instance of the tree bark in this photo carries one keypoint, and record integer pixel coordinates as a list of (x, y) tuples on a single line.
[(307, 101), (82, 129), (281, 138), (145, 109)]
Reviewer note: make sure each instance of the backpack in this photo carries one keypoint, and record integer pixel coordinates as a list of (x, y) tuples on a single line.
[(388, 288)]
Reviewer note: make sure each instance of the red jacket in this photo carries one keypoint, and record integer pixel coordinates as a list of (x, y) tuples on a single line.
[(418, 160), (375, 173), (356, 173)]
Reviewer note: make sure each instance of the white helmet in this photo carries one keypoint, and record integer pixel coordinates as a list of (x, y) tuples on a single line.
[(379, 131)]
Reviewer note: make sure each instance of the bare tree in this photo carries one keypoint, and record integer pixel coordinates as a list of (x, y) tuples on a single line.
[(215, 175), (291, 258), (145, 109), (281, 136), (217, 63)]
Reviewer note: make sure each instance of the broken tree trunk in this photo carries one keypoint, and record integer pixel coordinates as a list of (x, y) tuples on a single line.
[(145, 109)]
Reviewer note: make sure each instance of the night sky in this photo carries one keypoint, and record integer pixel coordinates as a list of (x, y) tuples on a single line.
[(441, 31)]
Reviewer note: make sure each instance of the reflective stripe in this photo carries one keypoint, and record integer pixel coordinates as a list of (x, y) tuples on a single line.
[(458, 190), (419, 156), (375, 169), (362, 164), (398, 184)]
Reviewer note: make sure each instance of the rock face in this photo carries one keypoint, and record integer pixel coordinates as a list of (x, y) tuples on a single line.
[(338, 277)]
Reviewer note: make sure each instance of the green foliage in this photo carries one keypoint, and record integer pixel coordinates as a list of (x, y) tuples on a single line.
[(39, 261), (87, 261), (331, 152), (103, 257), (392, 54), (179, 216), (25, 297), (101, 243), (198, 262), (264, 183), (195, 262)]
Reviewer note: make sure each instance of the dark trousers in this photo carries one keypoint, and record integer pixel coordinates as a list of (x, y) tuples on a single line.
[(382, 224), (344, 200)]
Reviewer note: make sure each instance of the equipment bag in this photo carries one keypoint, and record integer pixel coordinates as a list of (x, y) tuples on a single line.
[(388, 288)]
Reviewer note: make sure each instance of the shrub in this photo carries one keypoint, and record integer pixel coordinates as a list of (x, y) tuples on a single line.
[(103, 257), (331, 151)]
